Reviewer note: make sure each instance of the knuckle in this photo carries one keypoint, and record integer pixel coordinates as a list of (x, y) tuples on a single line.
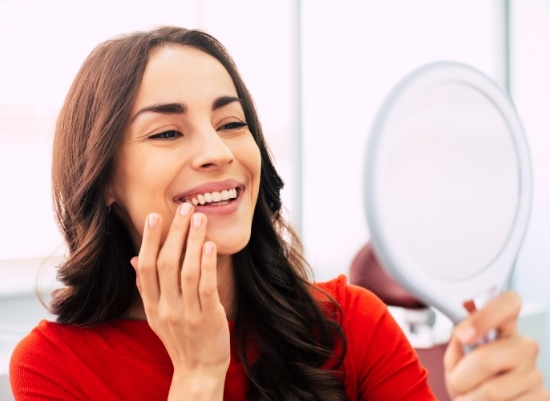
[(207, 291), (193, 323), (531, 348), (168, 316), (538, 378), (188, 277), (490, 392), (144, 268), (487, 362), (514, 300), (149, 309), (162, 263), (452, 385)]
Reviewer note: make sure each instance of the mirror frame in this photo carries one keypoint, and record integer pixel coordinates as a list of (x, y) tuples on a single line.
[(446, 295)]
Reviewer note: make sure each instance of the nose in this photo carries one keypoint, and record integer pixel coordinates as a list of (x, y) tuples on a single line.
[(212, 152)]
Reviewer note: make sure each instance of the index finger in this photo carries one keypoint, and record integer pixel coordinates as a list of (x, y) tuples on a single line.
[(499, 314)]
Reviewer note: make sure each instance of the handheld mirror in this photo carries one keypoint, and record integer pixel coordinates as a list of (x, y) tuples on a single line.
[(447, 186)]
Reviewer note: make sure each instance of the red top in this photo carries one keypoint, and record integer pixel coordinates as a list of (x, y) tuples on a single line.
[(125, 360)]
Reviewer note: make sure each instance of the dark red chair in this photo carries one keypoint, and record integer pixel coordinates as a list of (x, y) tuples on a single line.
[(366, 271)]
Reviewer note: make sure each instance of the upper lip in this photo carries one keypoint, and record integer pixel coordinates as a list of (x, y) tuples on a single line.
[(208, 187)]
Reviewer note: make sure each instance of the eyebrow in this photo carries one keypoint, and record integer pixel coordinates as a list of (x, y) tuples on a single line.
[(224, 101), (180, 108)]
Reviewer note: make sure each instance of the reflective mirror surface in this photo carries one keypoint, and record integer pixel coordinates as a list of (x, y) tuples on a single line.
[(447, 184)]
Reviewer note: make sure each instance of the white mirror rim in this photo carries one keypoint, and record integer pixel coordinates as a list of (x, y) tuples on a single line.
[(452, 116)]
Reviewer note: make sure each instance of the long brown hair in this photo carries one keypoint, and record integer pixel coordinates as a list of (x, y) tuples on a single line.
[(297, 335)]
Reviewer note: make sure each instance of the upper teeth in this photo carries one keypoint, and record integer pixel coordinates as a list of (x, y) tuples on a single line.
[(214, 196)]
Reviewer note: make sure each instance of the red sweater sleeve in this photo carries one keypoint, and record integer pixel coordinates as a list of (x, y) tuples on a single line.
[(380, 363)]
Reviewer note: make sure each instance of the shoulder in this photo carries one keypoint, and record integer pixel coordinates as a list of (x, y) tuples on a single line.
[(354, 301), (47, 337), (36, 359), (48, 340), (379, 360), (56, 361), (364, 318)]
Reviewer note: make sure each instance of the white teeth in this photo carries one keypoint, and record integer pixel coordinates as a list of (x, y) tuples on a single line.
[(215, 196)]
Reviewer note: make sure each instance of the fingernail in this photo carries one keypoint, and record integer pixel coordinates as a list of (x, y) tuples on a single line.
[(470, 306), (466, 334), (197, 219), (208, 248), (153, 219), (185, 209)]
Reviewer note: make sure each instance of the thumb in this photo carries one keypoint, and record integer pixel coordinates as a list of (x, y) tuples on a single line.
[(134, 263)]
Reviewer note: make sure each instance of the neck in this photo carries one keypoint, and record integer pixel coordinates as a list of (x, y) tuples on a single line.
[(226, 288), (225, 291)]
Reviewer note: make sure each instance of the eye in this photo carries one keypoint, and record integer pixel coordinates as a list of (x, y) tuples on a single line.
[(168, 135), (234, 125)]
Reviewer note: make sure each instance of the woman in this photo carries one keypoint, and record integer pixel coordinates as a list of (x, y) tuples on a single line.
[(159, 153)]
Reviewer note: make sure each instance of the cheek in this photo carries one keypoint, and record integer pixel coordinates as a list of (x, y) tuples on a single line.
[(254, 165), (139, 189)]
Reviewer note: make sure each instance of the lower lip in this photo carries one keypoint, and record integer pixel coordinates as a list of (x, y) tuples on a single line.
[(220, 210)]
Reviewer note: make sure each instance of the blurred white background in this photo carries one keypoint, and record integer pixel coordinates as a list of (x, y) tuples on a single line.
[(318, 70)]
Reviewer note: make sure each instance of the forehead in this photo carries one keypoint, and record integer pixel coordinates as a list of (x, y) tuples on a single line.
[(182, 73)]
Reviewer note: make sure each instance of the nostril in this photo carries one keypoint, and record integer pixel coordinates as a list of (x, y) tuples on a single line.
[(217, 165)]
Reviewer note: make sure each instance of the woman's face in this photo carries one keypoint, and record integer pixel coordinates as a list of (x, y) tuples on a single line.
[(187, 141)]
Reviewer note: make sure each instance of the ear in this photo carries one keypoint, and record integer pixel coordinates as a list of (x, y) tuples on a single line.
[(109, 196)]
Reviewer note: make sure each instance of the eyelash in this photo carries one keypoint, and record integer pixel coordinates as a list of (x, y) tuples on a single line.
[(164, 135), (173, 134), (233, 125)]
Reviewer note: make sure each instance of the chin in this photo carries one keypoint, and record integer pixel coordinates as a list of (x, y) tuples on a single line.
[(229, 244)]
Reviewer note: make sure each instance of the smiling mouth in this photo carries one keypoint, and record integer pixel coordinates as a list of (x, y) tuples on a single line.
[(214, 198)]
